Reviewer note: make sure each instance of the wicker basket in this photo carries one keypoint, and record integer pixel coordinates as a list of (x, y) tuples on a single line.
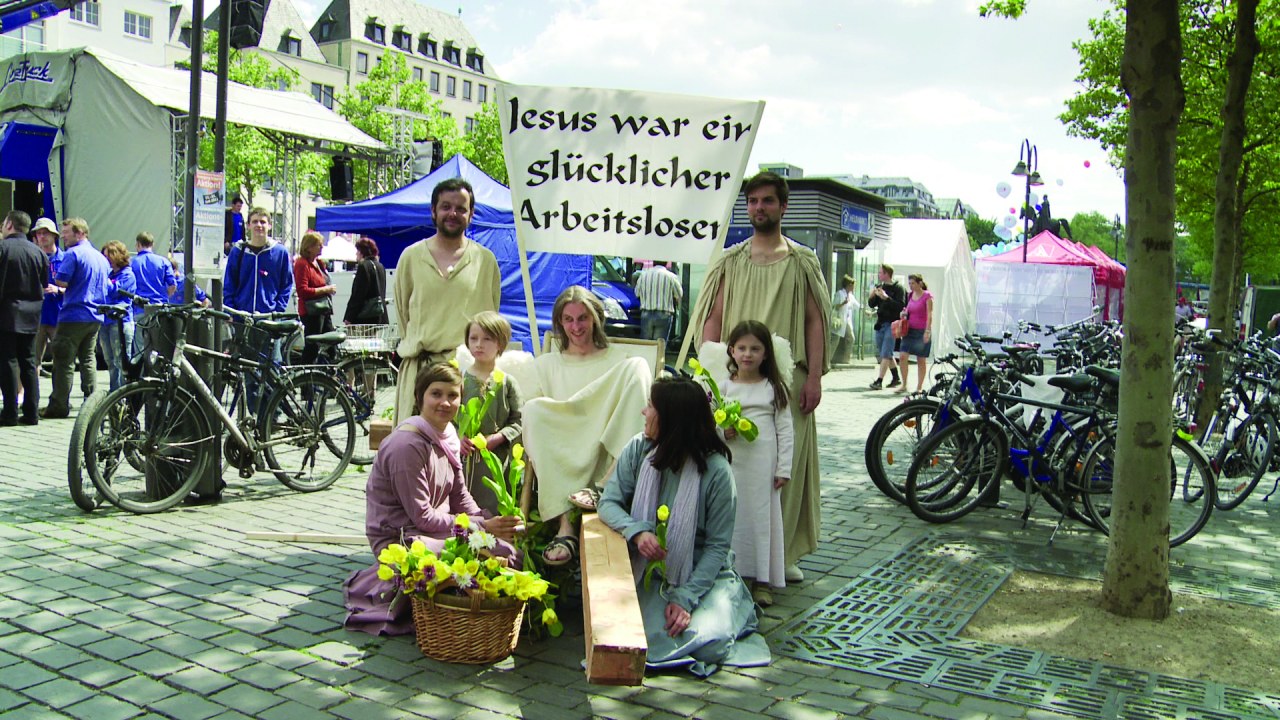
[(472, 630)]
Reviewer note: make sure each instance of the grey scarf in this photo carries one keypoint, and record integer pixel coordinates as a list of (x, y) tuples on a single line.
[(681, 524)]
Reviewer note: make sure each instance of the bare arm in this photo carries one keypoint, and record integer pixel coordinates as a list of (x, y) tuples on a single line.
[(714, 325), (815, 353)]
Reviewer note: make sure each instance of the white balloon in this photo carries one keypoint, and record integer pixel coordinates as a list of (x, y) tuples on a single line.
[(1010, 221), (1059, 182), (1003, 189), (1035, 199)]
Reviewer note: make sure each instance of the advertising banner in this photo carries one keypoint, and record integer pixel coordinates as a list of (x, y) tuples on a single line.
[(210, 216)]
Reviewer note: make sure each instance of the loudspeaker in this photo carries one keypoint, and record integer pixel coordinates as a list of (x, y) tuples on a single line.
[(423, 151), (341, 180), (246, 22)]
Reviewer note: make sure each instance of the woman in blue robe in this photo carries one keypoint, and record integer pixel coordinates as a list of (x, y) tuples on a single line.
[(698, 612)]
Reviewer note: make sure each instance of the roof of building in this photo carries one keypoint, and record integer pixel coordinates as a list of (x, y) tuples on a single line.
[(872, 182), (282, 19), (349, 18)]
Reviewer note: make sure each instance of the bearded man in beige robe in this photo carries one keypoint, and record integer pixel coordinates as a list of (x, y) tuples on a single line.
[(777, 281), (441, 283)]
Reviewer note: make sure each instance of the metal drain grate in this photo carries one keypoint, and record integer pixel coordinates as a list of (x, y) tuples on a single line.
[(900, 620)]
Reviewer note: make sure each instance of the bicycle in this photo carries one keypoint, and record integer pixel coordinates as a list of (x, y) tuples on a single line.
[(301, 426), (359, 355)]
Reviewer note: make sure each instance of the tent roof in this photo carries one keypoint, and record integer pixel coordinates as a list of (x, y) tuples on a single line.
[(289, 113), (1049, 249), (411, 205)]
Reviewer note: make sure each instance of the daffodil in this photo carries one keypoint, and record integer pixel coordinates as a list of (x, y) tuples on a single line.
[(385, 573), (480, 442), (664, 512), (549, 617), (453, 361), (695, 365), (393, 554), (463, 521), (517, 452), (743, 424), (498, 376), (719, 416)]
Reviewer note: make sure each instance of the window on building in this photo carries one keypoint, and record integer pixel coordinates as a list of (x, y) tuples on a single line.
[(482, 93), (475, 61), (447, 114), (470, 125), (362, 63), (323, 94), (417, 74), (435, 81), (376, 31), (27, 38), (452, 53), (282, 85), (466, 89), (291, 45), (451, 86), (184, 35), (326, 30), (427, 46), (402, 40), (86, 12), (137, 25)]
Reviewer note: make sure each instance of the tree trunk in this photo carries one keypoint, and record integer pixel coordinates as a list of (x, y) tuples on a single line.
[(1136, 578), (1228, 253)]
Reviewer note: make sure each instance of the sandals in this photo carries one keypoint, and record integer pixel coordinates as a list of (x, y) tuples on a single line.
[(586, 499), (561, 542)]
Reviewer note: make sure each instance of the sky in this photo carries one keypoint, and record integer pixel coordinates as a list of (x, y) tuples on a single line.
[(920, 88)]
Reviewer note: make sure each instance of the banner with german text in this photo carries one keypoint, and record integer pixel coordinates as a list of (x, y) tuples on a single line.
[(618, 172)]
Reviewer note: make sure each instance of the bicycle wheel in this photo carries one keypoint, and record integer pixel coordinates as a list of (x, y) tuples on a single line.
[(84, 494), (956, 469), (308, 431), (147, 445), (1243, 460), (1191, 485), (892, 442), (1186, 396), (372, 381)]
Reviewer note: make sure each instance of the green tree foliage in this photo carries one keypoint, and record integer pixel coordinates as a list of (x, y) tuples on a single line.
[(250, 156), (389, 86), (1093, 228), (981, 232), (1100, 111)]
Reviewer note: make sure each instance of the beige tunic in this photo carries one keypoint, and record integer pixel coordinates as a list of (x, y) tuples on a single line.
[(775, 294), (579, 415), (433, 309)]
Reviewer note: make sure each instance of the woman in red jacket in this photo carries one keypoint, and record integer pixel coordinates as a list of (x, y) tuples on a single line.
[(311, 280)]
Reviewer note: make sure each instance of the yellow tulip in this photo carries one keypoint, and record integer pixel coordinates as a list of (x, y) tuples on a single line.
[(498, 376), (453, 362), (385, 573), (719, 416), (517, 451), (744, 425), (664, 512), (463, 521), (549, 617), (393, 554), (695, 365), (479, 442)]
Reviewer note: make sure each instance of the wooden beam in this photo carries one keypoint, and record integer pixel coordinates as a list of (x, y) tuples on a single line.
[(378, 430), (614, 628)]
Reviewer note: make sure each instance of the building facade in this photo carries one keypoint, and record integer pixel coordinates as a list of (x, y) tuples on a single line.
[(135, 29), (904, 196)]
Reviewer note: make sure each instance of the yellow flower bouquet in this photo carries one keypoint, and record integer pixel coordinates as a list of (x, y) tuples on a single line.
[(466, 577), (728, 415)]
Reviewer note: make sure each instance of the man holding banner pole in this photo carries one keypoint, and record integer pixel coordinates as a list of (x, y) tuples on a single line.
[(777, 281), (441, 283)]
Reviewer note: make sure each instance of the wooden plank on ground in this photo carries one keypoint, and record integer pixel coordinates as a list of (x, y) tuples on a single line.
[(308, 537), (614, 628), (379, 429)]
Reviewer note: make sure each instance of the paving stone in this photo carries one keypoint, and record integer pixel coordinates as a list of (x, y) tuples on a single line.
[(103, 707), (220, 660), (156, 663), (43, 622), (362, 709), (140, 690), (798, 711), (98, 673), (313, 694), (187, 707), (59, 692), (57, 656), (246, 698), (952, 712), (17, 677), (201, 680), (290, 710)]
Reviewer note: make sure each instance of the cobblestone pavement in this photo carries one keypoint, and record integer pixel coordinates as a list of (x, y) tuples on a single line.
[(110, 615)]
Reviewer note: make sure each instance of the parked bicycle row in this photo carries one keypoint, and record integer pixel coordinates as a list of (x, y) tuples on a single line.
[(190, 409), (948, 452)]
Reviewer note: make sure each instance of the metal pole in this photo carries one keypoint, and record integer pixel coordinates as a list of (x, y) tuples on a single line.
[(193, 145), (220, 122), (1026, 218)]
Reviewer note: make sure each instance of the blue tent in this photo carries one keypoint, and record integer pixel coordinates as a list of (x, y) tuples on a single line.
[(402, 217)]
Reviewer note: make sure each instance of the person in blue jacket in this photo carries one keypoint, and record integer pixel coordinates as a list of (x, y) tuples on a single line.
[(259, 274)]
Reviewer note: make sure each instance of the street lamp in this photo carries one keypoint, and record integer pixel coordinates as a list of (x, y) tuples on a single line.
[(1116, 230), (1028, 167)]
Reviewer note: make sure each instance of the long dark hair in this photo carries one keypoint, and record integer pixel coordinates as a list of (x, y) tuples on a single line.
[(686, 430), (768, 368)]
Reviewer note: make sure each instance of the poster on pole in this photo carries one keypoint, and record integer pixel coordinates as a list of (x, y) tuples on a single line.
[(210, 216), (626, 173)]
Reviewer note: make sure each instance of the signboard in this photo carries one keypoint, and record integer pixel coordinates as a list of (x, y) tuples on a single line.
[(855, 220), (210, 217), (37, 79), (617, 172)]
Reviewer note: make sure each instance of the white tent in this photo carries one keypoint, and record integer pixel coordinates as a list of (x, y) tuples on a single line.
[(105, 128), (938, 250)]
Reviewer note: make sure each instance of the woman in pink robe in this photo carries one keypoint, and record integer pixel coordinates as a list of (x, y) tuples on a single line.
[(415, 491)]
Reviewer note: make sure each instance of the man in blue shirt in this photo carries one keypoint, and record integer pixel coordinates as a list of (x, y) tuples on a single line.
[(83, 272), (155, 279), (233, 229), (259, 274)]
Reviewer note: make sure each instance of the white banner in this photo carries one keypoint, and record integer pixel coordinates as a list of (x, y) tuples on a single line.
[(617, 172), (210, 216)]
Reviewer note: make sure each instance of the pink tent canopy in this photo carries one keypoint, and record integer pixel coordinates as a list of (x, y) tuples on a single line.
[(1049, 249)]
